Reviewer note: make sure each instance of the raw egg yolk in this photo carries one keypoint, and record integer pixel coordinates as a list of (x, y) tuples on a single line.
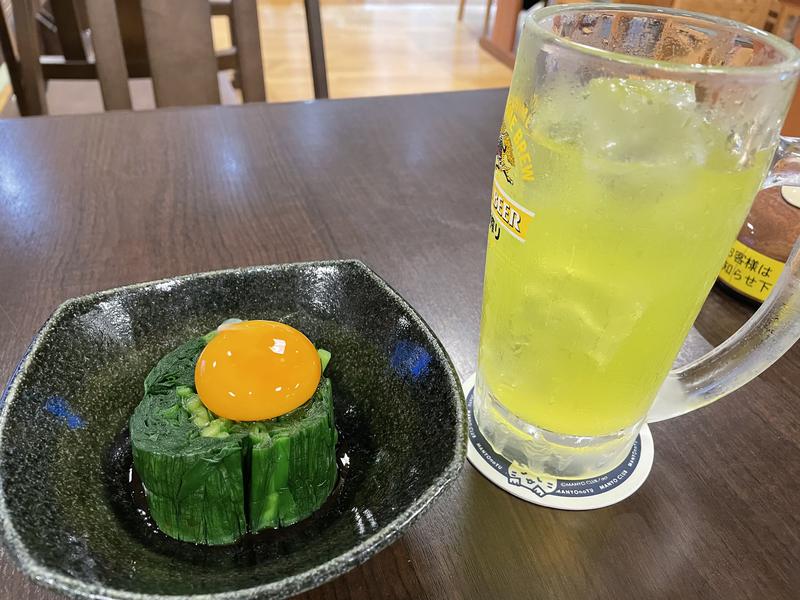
[(256, 370)]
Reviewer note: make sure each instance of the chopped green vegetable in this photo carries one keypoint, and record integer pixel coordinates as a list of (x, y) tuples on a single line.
[(293, 468), (176, 369), (192, 403), (208, 479), (209, 336), (215, 428), (324, 357), (172, 412), (195, 485), (200, 421)]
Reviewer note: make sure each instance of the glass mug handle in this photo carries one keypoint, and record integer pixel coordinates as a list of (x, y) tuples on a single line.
[(762, 340)]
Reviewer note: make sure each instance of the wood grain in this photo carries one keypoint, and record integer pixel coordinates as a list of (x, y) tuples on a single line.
[(109, 54), (69, 31), (180, 52), (33, 100), (402, 183), (504, 32), (244, 23)]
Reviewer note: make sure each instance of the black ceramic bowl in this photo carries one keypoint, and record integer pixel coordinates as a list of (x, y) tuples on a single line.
[(67, 508)]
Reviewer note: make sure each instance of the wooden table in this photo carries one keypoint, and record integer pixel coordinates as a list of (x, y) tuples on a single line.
[(93, 202)]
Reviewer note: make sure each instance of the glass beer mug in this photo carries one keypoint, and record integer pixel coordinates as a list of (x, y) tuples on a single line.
[(633, 142)]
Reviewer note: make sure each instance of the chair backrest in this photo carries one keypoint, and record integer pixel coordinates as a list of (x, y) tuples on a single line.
[(31, 95), (180, 51), (169, 41), (6, 44)]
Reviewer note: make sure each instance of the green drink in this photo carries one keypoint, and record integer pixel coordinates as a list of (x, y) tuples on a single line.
[(633, 143), (582, 321)]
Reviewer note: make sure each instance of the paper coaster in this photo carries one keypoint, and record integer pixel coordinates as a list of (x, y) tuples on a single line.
[(566, 494)]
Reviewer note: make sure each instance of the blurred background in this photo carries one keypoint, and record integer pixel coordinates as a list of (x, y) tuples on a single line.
[(372, 47), (364, 47)]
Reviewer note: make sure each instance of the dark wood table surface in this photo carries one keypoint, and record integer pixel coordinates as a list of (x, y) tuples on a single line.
[(93, 202)]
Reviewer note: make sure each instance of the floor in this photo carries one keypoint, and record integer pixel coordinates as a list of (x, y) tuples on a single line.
[(378, 47), (373, 48)]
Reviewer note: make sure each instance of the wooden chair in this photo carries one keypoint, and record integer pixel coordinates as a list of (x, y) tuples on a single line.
[(7, 48), (486, 16), (174, 49), (168, 41)]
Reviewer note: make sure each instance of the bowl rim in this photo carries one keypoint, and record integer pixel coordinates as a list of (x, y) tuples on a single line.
[(288, 586)]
